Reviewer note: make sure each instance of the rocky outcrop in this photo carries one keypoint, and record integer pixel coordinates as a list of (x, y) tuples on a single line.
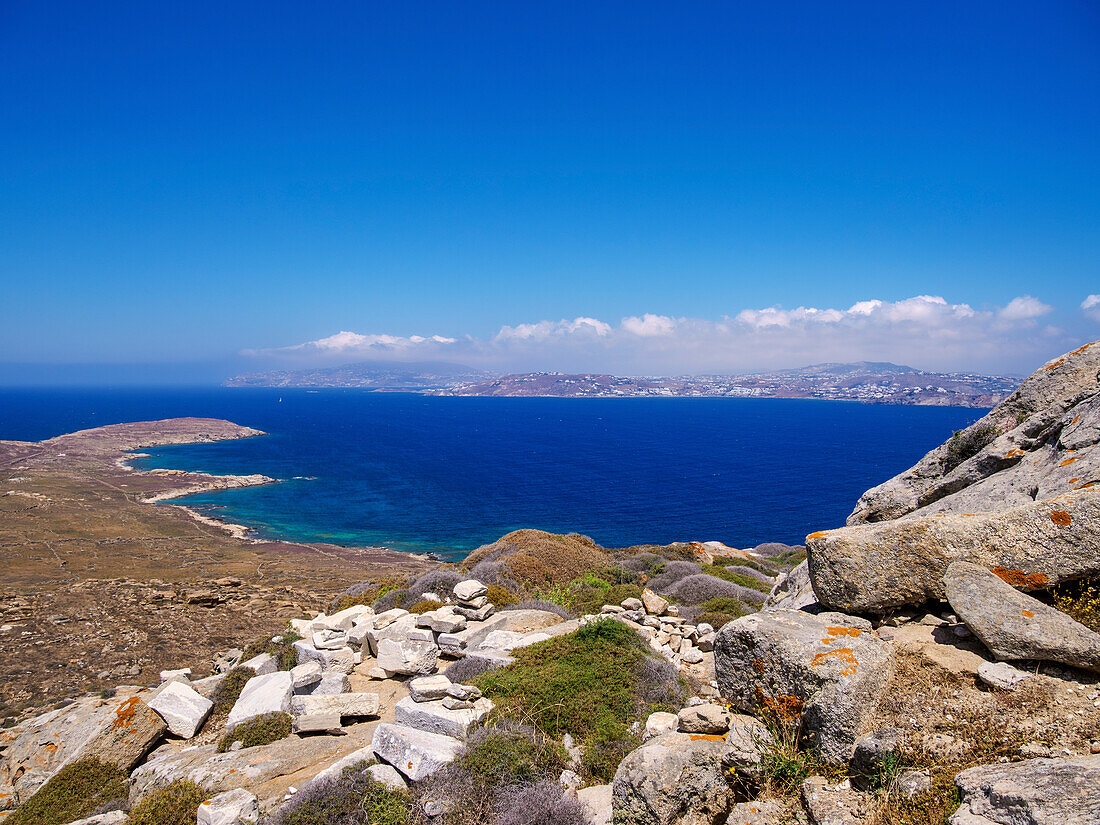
[(126, 736), (1013, 625), (827, 669), (874, 568), (1033, 445), (793, 590), (674, 778), (1033, 792)]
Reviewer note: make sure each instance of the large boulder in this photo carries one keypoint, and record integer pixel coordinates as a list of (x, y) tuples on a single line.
[(828, 670), (1030, 446), (674, 778), (270, 693), (415, 753), (1033, 792), (34, 750), (876, 567), (126, 736), (434, 717), (1013, 625), (408, 656), (265, 770), (182, 708)]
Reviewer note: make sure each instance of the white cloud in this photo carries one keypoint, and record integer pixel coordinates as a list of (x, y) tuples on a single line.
[(649, 325), (925, 331), (1024, 308), (1091, 307)]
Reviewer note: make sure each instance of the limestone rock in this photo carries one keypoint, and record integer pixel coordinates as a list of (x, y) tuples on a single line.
[(408, 656), (596, 800), (109, 818), (342, 659), (875, 567), (305, 675), (182, 709), (1001, 675), (265, 771), (342, 704), (707, 718), (829, 804), (415, 753), (261, 664), (466, 591), (230, 808), (388, 776), (126, 736), (793, 590), (660, 723), (1032, 792), (1013, 625), (396, 630), (270, 693), (428, 688), (674, 778), (433, 717), (654, 605), (830, 667), (746, 744), (872, 754), (770, 812)]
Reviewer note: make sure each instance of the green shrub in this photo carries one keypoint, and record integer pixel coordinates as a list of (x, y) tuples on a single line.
[(500, 596), (176, 804), (589, 593), (742, 579), (366, 593), (353, 798), (585, 683), (229, 689), (424, 606), (282, 651), (968, 443), (505, 757), (71, 794), (262, 730), (718, 612)]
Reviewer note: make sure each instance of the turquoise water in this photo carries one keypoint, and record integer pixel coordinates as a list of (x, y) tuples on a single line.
[(448, 474)]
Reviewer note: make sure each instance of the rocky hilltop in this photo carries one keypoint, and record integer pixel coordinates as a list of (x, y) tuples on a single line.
[(935, 662)]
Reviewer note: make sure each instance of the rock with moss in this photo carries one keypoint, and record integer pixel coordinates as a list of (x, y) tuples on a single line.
[(824, 672), (1015, 626), (270, 693), (673, 778)]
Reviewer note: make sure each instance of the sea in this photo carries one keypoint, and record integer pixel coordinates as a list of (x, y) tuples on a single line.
[(445, 475)]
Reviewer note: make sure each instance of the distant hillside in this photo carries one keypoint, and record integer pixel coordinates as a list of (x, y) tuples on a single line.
[(377, 375), (870, 382)]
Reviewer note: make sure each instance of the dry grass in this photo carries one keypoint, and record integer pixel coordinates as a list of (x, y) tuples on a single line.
[(537, 559)]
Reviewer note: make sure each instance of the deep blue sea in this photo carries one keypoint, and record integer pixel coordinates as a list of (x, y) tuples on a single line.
[(448, 474)]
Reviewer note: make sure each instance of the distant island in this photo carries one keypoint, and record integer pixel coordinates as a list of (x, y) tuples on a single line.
[(867, 381)]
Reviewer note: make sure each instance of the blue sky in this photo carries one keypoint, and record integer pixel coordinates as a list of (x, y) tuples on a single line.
[(186, 183)]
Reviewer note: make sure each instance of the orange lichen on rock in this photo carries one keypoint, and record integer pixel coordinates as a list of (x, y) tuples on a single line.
[(844, 654), (1014, 453), (843, 631), (1027, 614), (706, 737), (1062, 360), (1018, 578), (1061, 518), (1086, 485), (758, 666), (1068, 461), (786, 708), (124, 713), (820, 534)]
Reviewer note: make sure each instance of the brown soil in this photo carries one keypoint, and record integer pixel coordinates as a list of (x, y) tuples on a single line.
[(99, 587)]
